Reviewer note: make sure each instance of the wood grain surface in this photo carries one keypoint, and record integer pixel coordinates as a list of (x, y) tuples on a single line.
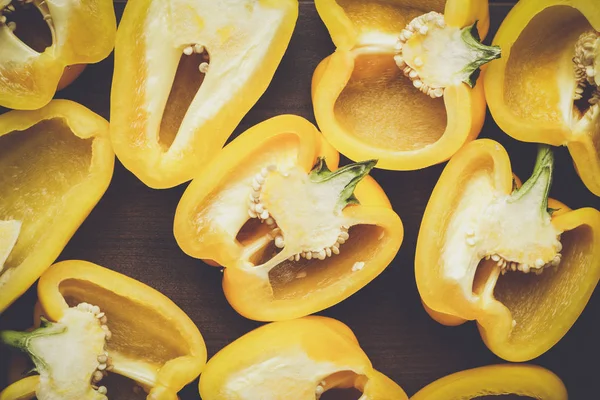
[(130, 231)]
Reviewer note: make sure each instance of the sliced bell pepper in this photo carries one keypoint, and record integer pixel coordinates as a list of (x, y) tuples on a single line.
[(299, 359), (522, 265), (270, 211), (97, 322), (32, 66), (495, 380), (55, 165), (545, 89), (400, 86), (186, 73)]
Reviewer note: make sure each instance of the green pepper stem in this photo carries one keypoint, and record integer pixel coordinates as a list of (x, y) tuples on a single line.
[(351, 173), (541, 179), (485, 54)]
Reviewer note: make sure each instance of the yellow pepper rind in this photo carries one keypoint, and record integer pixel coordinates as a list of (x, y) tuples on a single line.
[(81, 199), (523, 380)]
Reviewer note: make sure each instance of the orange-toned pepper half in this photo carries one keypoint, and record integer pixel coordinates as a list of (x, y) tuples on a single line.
[(545, 89), (46, 44), (294, 236), (401, 85), (299, 359), (186, 73), (522, 266), (55, 165), (96, 322), (496, 380)]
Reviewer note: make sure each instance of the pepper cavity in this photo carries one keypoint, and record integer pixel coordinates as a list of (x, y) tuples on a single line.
[(586, 66), (434, 55), (304, 210), (197, 48), (70, 355), (26, 19)]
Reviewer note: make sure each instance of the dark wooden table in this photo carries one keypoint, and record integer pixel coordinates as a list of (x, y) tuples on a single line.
[(131, 231)]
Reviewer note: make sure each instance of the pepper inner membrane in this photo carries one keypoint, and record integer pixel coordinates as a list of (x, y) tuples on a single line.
[(132, 339), (28, 24), (186, 83), (39, 166)]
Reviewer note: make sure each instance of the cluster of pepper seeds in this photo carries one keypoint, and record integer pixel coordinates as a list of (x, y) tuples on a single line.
[(257, 210), (506, 265), (586, 48), (104, 361), (418, 26), (197, 48)]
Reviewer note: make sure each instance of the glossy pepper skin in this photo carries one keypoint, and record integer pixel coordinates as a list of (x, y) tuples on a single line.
[(364, 105), (161, 361), (167, 117), (520, 316), (520, 379), (213, 222), (531, 91), (312, 355), (55, 165), (83, 32)]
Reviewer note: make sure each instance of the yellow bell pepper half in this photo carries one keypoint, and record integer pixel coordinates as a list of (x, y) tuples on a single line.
[(545, 88), (402, 86), (299, 359), (293, 234), (186, 73), (97, 322), (35, 64), (55, 165)]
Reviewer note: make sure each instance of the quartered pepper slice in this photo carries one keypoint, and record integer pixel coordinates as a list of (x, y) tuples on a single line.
[(186, 73), (521, 265), (545, 88), (294, 236), (400, 86), (55, 165), (97, 322), (495, 380), (35, 62), (299, 359)]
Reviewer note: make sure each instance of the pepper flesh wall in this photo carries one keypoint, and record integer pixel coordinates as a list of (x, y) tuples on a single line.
[(500, 248), (295, 233)]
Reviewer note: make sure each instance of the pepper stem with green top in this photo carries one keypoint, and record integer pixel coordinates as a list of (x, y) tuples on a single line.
[(485, 54), (538, 185), (352, 173)]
